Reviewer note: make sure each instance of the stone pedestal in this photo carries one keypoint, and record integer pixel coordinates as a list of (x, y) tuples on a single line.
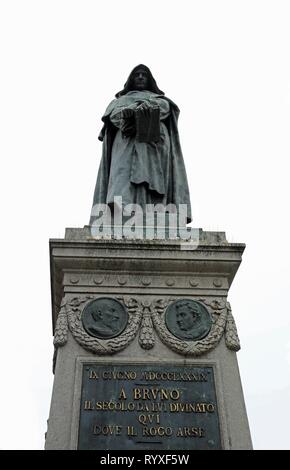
[(150, 385)]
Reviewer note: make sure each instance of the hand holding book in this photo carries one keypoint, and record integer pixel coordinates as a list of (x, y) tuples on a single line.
[(148, 122)]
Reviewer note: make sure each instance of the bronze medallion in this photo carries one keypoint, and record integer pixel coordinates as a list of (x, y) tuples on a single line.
[(188, 319), (104, 318)]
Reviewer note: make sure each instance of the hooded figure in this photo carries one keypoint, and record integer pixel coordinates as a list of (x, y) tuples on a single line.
[(142, 159)]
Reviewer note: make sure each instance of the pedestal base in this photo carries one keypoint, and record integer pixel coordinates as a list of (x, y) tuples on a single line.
[(148, 385)]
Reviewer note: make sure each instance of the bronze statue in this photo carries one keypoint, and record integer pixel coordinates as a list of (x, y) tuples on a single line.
[(142, 159)]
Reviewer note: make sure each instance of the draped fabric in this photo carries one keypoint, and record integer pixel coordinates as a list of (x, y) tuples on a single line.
[(141, 172)]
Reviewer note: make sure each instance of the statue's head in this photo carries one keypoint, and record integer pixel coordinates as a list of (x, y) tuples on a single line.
[(140, 79)]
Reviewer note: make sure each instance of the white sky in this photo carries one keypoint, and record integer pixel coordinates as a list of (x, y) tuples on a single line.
[(227, 66)]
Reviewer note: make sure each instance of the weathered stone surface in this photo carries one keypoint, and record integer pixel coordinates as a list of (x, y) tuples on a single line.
[(146, 277)]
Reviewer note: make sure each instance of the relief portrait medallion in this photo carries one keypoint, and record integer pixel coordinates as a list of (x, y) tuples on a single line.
[(104, 318), (188, 319)]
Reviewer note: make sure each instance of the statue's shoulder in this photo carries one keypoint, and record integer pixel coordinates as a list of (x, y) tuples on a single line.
[(171, 103), (121, 101)]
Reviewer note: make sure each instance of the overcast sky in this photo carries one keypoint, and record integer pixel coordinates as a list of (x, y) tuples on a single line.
[(227, 66)]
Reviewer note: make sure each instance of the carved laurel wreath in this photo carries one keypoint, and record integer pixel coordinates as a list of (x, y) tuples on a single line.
[(146, 317)]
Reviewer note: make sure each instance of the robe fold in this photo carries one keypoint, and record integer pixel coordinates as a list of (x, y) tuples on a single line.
[(141, 172)]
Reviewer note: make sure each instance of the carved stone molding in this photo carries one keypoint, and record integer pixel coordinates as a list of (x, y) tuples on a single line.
[(146, 335), (145, 316), (61, 328), (74, 308), (222, 321), (231, 334)]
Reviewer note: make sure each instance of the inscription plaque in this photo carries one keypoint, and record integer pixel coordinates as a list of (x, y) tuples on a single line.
[(161, 407)]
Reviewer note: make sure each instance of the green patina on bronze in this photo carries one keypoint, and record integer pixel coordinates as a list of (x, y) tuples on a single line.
[(142, 159), (188, 319), (148, 406), (104, 318)]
